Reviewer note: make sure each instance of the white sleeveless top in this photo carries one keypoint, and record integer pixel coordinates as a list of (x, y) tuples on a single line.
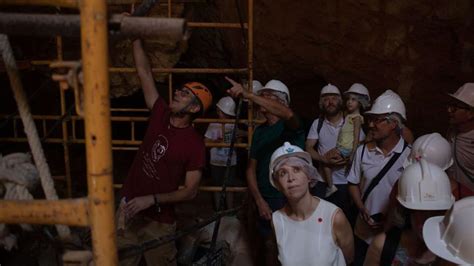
[(308, 242)]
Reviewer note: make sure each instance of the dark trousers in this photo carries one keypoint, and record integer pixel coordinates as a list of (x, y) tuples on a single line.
[(340, 198)]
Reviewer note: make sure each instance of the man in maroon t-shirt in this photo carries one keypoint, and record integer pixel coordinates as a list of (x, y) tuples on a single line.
[(172, 151)]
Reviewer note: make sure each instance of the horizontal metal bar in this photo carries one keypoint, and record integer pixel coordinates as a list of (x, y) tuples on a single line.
[(114, 142), (128, 118), (68, 212), (157, 70), (183, 70), (69, 25), (60, 3), (206, 188), (223, 25), (124, 148), (129, 110), (75, 3)]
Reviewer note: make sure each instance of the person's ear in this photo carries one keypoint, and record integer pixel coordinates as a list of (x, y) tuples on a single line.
[(393, 124)]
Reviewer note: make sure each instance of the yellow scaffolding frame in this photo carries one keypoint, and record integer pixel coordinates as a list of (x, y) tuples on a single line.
[(97, 210)]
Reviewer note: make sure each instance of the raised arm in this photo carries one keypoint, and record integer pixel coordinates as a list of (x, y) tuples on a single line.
[(144, 73), (275, 108)]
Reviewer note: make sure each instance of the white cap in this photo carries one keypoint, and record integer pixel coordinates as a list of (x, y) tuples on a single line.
[(256, 86), (465, 94), (286, 151), (452, 237), (277, 85), (388, 102), (433, 148), (227, 105), (329, 89), (424, 186), (359, 89)]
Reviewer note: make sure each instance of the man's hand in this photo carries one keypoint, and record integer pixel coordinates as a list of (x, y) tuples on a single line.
[(137, 204), (364, 214), (237, 90), (264, 210)]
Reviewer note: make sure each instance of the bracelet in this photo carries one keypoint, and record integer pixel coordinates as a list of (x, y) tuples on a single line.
[(157, 204)]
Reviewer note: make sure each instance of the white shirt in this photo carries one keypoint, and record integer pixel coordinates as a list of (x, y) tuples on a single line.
[(372, 163), (219, 155), (308, 242), (464, 156), (327, 140)]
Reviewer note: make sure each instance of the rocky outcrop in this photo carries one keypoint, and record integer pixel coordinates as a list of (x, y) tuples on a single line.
[(420, 49)]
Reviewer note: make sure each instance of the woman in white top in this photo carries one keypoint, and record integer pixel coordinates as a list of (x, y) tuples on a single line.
[(308, 230)]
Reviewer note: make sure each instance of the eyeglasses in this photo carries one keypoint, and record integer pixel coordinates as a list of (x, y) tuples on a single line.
[(377, 119), (184, 92), (453, 107)]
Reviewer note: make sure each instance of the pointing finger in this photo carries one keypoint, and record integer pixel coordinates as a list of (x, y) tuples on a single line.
[(233, 82)]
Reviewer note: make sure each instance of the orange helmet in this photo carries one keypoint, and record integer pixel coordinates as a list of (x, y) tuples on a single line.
[(202, 93)]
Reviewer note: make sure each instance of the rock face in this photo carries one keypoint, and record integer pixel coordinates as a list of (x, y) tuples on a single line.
[(420, 49)]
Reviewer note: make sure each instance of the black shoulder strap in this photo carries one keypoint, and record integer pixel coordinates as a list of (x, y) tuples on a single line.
[(320, 124), (390, 246), (362, 153), (382, 172)]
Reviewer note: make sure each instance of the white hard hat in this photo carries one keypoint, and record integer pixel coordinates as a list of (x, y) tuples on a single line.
[(256, 86), (465, 94), (227, 105), (452, 237), (388, 102), (285, 151), (277, 85), (433, 148), (329, 89), (359, 89), (424, 186)]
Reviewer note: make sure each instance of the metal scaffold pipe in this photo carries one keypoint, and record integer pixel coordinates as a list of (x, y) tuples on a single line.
[(120, 26), (60, 3), (95, 59), (71, 212)]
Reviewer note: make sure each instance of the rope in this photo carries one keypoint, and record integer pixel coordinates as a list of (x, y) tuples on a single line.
[(241, 21), (140, 249), (224, 183), (30, 127)]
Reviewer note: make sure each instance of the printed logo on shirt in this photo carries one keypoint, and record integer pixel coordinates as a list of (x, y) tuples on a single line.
[(159, 148), (150, 159)]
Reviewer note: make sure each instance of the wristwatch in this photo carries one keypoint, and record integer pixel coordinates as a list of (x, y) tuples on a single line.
[(157, 203)]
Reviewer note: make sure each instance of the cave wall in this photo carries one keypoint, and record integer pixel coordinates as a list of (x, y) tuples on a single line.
[(420, 49)]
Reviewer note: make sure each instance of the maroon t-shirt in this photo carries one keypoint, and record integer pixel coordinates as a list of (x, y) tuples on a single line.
[(161, 163)]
